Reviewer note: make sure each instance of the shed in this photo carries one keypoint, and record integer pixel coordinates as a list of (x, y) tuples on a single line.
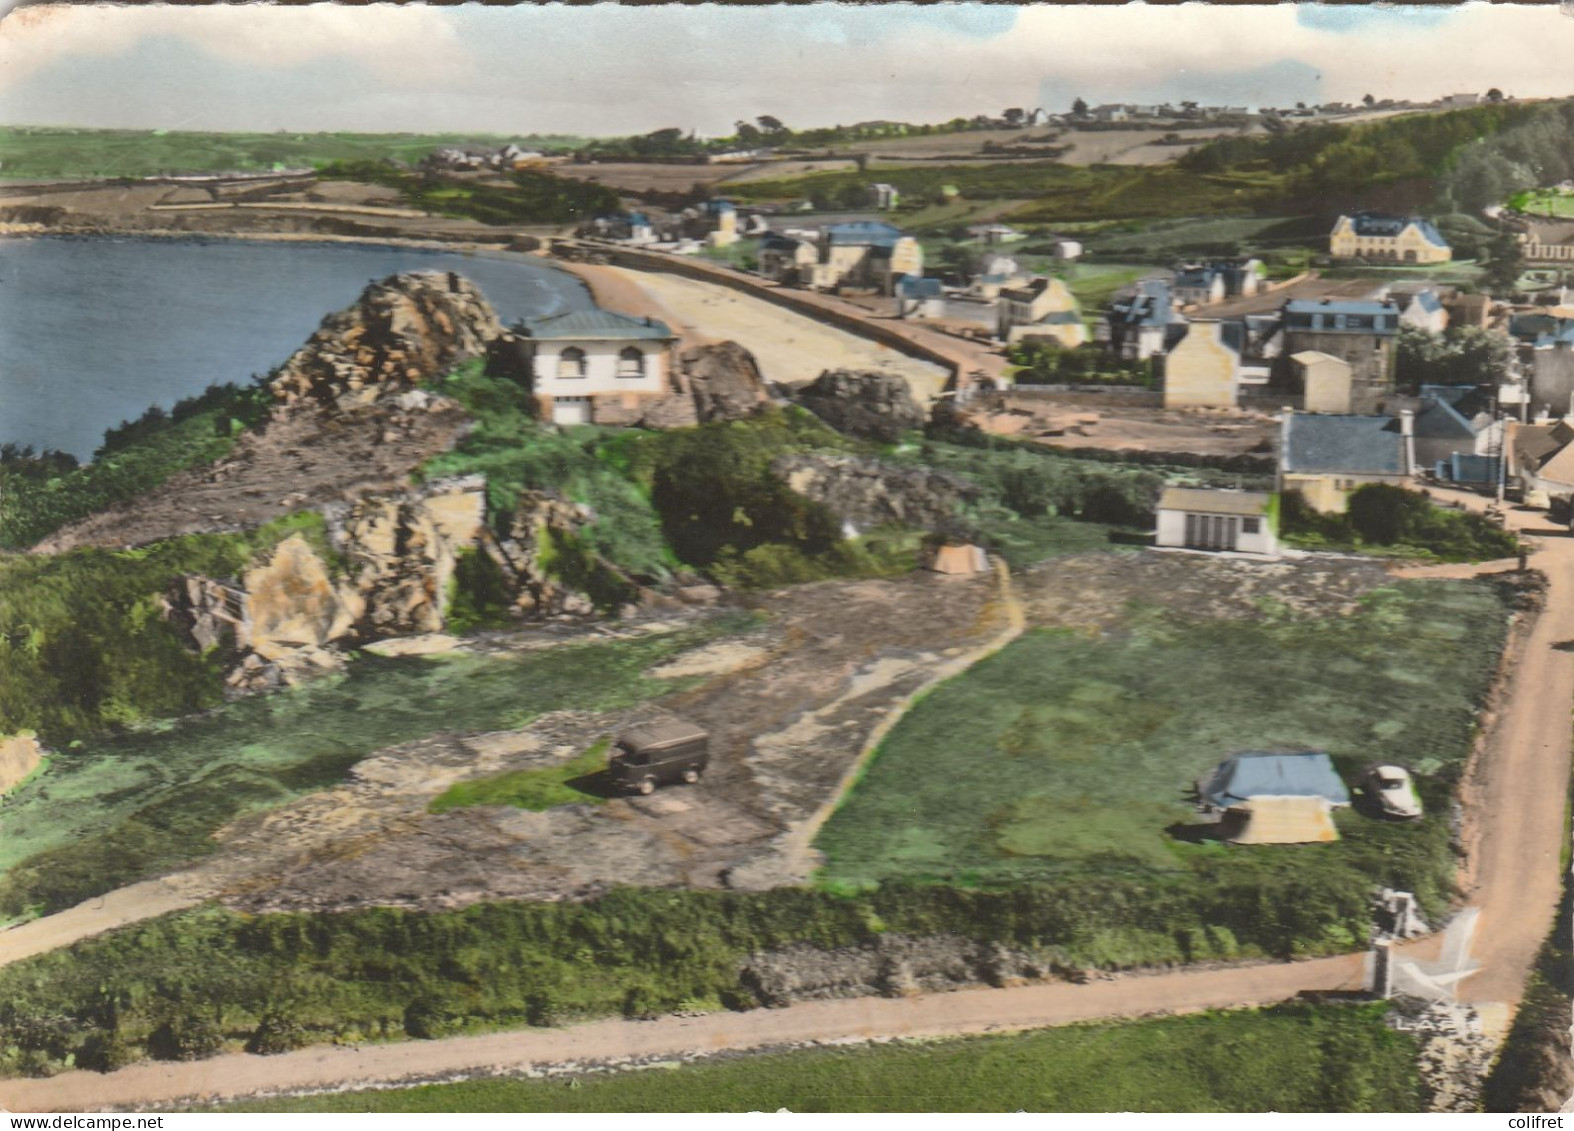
[(1203, 519), (962, 559)]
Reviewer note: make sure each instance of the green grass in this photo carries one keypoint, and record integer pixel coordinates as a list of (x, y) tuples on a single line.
[(536, 790), (1546, 202), (115, 810), (1330, 1058), (85, 647), (36, 151), (1068, 756), (1163, 241)]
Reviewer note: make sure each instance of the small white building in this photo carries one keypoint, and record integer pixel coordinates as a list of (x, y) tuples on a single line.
[(1196, 518), (590, 365)]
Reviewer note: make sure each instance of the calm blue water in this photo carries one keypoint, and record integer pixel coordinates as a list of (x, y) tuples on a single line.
[(93, 331)]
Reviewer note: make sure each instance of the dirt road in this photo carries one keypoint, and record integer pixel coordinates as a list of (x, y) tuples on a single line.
[(1514, 802), (963, 1012)]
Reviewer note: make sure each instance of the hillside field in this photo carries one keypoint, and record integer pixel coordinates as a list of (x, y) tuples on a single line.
[(1070, 755), (1289, 1058)]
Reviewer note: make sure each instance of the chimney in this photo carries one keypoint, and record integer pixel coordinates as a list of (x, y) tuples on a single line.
[(1407, 429)]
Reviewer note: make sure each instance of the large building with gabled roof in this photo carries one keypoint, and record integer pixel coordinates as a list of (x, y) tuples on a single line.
[(1396, 239)]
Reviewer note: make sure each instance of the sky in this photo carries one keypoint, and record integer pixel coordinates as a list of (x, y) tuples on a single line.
[(604, 69)]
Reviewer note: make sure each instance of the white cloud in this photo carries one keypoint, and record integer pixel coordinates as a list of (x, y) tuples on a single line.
[(606, 68), (398, 43)]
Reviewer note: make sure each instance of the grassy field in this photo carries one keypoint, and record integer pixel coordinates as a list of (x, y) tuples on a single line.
[(1544, 202), (111, 811), (1055, 192), (36, 152), (1163, 241), (1290, 1058), (1067, 755)]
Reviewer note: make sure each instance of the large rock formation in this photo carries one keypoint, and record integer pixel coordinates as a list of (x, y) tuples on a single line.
[(866, 493), (400, 551), (725, 381), (875, 406), (542, 522), (401, 331)]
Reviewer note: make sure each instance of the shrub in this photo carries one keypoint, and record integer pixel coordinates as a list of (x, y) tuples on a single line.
[(186, 1036)]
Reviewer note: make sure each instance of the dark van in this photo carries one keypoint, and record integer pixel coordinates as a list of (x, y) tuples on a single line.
[(659, 754)]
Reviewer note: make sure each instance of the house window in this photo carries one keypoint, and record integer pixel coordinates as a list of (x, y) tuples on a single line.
[(631, 363), (1251, 526), (571, 363)]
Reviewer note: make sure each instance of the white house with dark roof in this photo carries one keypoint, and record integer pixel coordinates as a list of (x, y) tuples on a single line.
[(588, 358)]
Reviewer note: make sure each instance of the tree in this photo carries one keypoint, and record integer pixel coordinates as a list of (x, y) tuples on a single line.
[(1506, 264), (771, 125), (1014, 116), (1079, 108), (747, 134), (1369, 100), (1494, 95)]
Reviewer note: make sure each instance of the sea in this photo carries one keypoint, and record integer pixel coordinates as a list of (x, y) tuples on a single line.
[(94, 330)]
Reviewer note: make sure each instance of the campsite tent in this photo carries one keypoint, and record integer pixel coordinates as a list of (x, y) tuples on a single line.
[(1242, 777)]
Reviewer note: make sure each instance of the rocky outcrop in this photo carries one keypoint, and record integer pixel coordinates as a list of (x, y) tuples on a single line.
[(403, 330), (874, 406), (866, 493), (725, 381), (893, 966), (20, 755), (400, 553), (542, 522)]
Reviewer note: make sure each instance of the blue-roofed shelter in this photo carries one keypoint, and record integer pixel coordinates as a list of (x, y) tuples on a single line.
[(1244, 777)]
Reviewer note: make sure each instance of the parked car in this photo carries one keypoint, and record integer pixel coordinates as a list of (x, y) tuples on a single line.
[(1393, 789), (659, 754)]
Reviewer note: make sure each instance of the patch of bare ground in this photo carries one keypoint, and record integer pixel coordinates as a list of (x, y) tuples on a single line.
[(788, 711), (301, 460), (1096, 591), (1093, 421)]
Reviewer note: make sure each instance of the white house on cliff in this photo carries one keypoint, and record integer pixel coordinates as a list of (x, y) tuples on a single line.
[(586, 362)]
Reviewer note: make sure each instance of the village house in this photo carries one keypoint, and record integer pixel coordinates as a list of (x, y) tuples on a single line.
[(1399, 239), (884, 197), (1198, 519), (1043, 307), (1360, 333), (920, 297), (595, 366), (1144, 322), (1420, 308), (1469, 310), (1065, 249), (1325, 457), (1201, 284), (1203, 369), (1454, 422), (1541, 459), (1325, 381), (624, 227), (863, 255), (995, 272), (995, 233), (786, 258)]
